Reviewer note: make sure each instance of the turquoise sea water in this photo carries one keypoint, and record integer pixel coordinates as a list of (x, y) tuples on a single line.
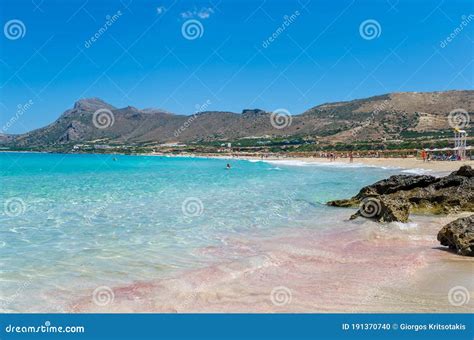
[(70, 222)]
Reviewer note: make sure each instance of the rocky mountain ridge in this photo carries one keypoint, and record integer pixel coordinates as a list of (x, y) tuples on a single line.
[(377, 118)]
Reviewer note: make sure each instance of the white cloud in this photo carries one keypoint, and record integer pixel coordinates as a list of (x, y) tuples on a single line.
[(203, 13), (187, 15), (160, 10)]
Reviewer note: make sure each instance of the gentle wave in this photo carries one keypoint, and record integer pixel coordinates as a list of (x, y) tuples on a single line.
[(327, 164), (113, 220)]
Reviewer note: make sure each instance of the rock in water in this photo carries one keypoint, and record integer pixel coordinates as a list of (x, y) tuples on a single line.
[(396, 183), (459, 235), (394, 198), (383, 210)]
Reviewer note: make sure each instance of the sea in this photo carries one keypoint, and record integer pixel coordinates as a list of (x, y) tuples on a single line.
[(70, 223)]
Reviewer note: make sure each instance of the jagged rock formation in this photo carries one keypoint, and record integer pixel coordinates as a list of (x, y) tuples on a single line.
[(394, 198), (459, 235)]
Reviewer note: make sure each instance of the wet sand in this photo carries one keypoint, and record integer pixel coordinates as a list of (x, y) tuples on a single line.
[(437, 167), (352, 266), (405, 163)]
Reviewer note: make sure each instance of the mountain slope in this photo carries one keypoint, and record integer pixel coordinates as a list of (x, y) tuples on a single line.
[(369, 119)]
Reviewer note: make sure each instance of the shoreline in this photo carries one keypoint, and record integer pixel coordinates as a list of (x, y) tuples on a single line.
[(328, 271), (417, 165), (331, 265), (409, 163)]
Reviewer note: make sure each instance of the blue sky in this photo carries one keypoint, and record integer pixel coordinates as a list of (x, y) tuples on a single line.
[(143, 58)]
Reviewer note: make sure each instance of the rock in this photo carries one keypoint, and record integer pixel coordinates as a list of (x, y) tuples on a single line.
[(401, 194), (396, 183), (386, 186), (383, 209), (459, 235), (91, 104), (344, 203), (394, 210), (465, 171), (452, 193), (74, 131), (253, 112)]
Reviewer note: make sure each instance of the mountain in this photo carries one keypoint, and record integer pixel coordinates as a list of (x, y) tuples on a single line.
[(383, 117)]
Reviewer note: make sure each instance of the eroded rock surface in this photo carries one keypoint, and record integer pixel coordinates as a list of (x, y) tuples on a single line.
[(394, 198), (459, 235)]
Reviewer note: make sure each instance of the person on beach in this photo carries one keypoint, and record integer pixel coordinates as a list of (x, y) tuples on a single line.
[(351, 157), (423, 155)]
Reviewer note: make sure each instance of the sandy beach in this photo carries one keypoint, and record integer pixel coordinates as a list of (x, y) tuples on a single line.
[(318, 271), (364, 267), (405, 163), (441, 167), (256, 239), (268, 170)]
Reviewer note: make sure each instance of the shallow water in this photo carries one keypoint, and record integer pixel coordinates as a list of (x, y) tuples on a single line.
[(72, 223), (354, 266)]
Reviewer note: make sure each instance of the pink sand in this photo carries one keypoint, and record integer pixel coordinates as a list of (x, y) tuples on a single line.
[(360, 267)]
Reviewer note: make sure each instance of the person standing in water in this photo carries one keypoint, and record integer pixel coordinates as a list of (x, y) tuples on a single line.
[(227, 166)]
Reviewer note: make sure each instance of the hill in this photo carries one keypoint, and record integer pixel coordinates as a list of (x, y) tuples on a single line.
[(388, 117)]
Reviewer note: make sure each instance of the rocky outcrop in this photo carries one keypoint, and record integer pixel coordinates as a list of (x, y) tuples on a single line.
[(394, 198), (74, 132), (459, 235), (386, 210)]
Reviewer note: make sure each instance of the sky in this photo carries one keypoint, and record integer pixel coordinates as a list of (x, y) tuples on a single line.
[(225, 55)]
